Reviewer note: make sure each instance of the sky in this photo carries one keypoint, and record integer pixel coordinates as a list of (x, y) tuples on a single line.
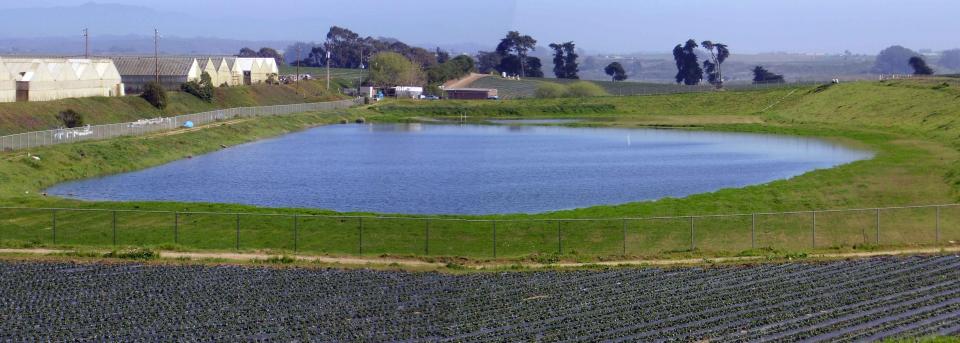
[(598, 26)]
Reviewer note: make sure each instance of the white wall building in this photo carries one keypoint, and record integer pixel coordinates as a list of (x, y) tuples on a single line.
[(44, 79)]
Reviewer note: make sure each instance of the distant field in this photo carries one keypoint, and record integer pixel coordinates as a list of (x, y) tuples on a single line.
[(350, 75), (526, 88)]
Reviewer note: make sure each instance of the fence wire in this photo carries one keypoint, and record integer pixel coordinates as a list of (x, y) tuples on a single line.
[(146, 126), (930, 225)]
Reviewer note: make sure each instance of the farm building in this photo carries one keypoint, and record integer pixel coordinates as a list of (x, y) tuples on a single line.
[(43, 79), (137, 71), (8, 86), (250, 70), (470, 93)]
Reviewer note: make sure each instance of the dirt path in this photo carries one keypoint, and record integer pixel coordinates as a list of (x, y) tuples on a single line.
[(464, 81), (414, 263), (197, 128)]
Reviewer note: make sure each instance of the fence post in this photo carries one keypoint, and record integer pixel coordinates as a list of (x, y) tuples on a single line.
[(176, 227), (360, 227), (295, 232), (938, 226), (54, 216), (559, 239), (114, 224), (693, 245), (813, 231), (624, 237), (878, 227), (494, 239), (426, 239), (238, 232), (753, 231)]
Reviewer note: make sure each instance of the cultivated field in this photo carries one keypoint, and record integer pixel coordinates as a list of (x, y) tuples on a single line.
[(861, 300)]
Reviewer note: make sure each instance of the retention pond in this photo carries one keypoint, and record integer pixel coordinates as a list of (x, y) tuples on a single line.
[(469, 169)]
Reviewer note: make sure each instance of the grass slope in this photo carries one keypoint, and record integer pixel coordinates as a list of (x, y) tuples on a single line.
[(33, 116), (526, 88), (908, 124)]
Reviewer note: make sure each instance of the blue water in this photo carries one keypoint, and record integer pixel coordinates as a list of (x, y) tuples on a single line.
[(469, 169)]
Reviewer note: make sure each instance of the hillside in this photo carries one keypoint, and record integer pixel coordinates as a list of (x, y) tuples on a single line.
[(33, 116), (526, 88)]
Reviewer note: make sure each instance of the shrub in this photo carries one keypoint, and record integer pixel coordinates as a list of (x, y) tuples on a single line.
[(154, 93), (582, 89), (70, 118), (548, 90), (134, 254), (202, 89)]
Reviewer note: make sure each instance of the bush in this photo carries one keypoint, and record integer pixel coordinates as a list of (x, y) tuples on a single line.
[(549, 90), (579, 89), (154, 93), (70, 118), (133, 254), (582, 89), (202, 89)]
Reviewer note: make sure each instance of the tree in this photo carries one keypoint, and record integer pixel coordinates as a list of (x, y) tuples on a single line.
[(70, 118), (442, 56), (393, 69), (950, 59), (488, 61), (761, 75), (688, 68), (202, 89), (271, 53), (558, 61), (247, 52), (894, 60), (714, 74), (453, 69), (533, 67), (565, 60), (154, 93), (919, 66), (616, 71), (517, 45)]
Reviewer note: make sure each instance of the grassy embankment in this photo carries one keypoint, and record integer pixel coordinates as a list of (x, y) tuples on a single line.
[(909, 124), (526, 88), (19, 117)]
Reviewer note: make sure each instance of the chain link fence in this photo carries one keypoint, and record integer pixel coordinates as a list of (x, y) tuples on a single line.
[(934, 225), (147, 126)]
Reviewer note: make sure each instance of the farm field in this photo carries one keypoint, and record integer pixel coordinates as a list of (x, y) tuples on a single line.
[(350, 76), (856, 300)]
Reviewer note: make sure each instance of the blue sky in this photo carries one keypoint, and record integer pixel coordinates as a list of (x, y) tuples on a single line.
[(831, 26)]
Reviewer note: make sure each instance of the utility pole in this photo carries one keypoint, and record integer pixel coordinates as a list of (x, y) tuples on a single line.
[(298, 67), (156, 53), (86, 43), (328, 69)]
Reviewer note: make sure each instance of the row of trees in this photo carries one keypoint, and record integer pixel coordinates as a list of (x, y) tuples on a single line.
[(689, 71), (348, 49), (263, 52)]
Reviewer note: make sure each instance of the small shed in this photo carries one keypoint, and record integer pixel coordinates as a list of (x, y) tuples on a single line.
[(470, 93)]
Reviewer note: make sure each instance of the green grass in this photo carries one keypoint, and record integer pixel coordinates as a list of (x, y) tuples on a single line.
[(526, 88), (908, 124)]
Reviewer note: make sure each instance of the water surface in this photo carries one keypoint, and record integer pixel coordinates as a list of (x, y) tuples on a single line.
[(469, 169)]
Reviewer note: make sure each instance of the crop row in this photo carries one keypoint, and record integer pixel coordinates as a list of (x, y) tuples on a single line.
[(851, 300)]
